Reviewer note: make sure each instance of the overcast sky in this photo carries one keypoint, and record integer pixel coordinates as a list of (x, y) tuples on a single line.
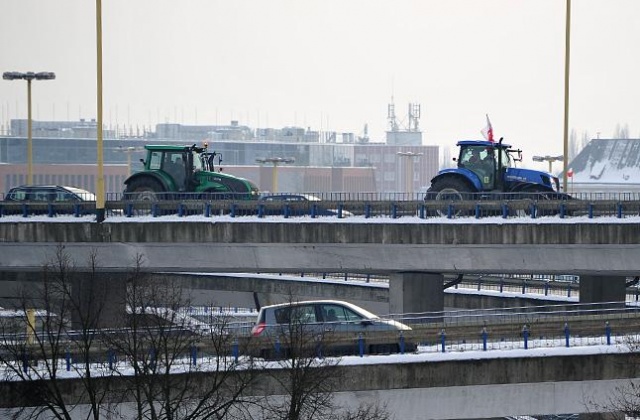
[(332, 64)]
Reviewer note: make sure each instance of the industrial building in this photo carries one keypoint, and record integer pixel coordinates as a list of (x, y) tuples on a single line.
[(65, 153)]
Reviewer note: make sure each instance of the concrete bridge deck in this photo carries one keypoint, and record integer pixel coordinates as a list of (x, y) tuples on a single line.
[(415, 254), (577, 248), (438, 389)]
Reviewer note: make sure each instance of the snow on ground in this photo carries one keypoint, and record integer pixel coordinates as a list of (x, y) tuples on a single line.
[(463, 351)]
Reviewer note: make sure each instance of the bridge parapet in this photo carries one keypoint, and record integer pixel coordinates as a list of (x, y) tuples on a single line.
[(336, 232)]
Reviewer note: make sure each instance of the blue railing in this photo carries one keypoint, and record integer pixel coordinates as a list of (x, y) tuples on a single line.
[(347, 205)]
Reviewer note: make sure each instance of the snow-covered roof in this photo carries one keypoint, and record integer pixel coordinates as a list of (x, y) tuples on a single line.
[(608, 161)]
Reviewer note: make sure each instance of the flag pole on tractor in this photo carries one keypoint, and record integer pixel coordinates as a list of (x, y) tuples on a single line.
[(487, 132)]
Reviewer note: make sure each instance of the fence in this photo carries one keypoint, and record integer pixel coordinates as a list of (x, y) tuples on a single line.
[(346, 205)]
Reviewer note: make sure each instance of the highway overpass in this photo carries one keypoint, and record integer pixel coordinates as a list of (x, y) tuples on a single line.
[(482, 386), (415, 254)]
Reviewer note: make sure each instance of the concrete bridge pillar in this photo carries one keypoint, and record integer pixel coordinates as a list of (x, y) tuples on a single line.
[(598, 289), (101, 299), (415, 292)]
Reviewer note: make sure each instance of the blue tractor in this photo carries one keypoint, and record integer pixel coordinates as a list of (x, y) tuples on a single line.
[(486, 168)]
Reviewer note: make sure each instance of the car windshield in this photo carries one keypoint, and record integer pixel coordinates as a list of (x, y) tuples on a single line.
[(361, 311), (333, 312), (84, 194)]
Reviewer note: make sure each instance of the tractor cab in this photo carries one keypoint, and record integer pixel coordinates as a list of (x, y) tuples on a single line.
[(482, 161), (178, 164), (489, 161)]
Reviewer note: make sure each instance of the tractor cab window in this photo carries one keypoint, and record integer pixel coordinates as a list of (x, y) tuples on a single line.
[(173, 158), (175, 166), (198, 164), (507, 161), (480, 160), (474, 156), (156, 161)]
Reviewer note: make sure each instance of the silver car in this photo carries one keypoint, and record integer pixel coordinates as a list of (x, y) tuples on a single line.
[(276, 323)]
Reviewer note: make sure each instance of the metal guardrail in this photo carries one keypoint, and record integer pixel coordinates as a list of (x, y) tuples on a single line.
[(617, 206), (548, 326), (527, 285)]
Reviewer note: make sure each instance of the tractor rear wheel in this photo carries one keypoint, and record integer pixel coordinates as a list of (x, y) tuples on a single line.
[(449, 190), (143, 189), (539, 195)]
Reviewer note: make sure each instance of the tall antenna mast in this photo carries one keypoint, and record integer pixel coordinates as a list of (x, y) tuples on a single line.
[(391, 115), (414, 117)]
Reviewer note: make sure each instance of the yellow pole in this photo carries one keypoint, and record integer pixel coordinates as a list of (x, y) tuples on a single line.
[(100, 181), (566, 97), (29, 136), (31, 325)]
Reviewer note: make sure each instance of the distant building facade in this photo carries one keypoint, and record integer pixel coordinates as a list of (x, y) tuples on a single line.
[(323, 162)]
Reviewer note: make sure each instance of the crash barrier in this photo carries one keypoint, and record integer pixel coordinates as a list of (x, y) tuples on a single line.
[(417, 341), (495, 206), (516, 329)]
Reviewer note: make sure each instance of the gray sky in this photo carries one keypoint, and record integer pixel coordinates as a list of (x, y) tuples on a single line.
[(332, 64)]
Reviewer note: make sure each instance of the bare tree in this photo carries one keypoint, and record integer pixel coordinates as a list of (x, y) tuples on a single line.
[(39, 341), (159, 343), (305, 375), (621, 131), (625, 400)]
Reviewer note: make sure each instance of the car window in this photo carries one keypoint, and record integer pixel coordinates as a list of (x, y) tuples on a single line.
[(40, 195), (283, 315), (302, 314), (18, 195), (339, 313), (64, 196)]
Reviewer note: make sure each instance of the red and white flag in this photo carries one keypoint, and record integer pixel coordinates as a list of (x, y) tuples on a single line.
[(487, 132), (570, 173)]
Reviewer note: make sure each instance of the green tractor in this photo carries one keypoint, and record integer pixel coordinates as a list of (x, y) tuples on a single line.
[(172, 172)]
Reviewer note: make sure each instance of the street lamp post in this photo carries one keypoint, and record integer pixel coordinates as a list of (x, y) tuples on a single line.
[(567, 59), (29, 76), (408, 175), (100, 193), (275, 161), (549, 159)]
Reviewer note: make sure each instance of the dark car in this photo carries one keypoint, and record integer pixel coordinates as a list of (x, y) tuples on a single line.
[(297, 205), (50, 198)]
